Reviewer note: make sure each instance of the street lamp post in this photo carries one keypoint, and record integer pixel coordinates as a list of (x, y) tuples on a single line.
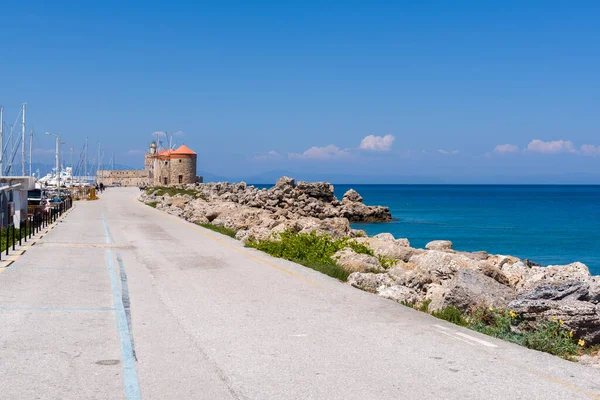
[(57, 157)]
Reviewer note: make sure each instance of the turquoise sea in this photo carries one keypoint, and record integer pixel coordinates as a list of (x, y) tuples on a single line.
[(546, 224)]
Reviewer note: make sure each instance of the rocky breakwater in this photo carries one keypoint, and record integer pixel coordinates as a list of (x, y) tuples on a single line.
[(262, 213), (439, 276)]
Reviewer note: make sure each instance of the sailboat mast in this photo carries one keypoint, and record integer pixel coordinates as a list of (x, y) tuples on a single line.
[(31, 153), (12, 149), (85, 157), (23, 140)]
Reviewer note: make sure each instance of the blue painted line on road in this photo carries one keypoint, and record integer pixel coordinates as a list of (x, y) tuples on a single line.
[(125, 299), (57, 308), (130, 379)]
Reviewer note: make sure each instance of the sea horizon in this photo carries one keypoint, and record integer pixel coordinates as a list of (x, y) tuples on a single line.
[(550, 224)]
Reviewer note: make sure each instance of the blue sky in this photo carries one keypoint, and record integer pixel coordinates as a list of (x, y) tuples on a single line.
[(430, 89)]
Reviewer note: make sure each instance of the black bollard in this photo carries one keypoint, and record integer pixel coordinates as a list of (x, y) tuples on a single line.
[(7, 234), (13, 229), (20, 234)]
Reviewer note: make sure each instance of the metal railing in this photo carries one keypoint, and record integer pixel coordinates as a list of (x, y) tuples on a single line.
[(30, 226)]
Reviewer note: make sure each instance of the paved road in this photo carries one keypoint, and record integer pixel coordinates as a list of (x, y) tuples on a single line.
[(122, 301)]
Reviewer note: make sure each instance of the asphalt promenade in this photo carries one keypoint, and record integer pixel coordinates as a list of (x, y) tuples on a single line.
[(121, 301)]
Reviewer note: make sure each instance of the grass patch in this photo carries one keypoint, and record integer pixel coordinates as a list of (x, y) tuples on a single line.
[(152, 204), (172, 191), (387, 262), (220, 229), (547, 336), (451, 314), (425, 306), (311, 250), (7, 231)]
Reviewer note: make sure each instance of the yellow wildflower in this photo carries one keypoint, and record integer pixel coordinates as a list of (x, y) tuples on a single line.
[(571, 334), (490, 308), (560, 321), (512, 314), (581, 342), (553, 318)]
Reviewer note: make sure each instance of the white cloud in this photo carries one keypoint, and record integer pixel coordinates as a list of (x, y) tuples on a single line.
[(160, 134), (377, 143), (321, 153), (448, 152), (590, 150), (506, 148), (553, 147), (179, 133), (271, 155)]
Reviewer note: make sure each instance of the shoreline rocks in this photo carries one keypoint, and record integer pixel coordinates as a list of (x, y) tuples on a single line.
[(437, 274)]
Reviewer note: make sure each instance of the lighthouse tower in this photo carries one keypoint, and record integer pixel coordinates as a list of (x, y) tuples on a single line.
[(149, 157)]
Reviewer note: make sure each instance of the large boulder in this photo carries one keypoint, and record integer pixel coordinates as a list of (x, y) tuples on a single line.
[(334, 227), (385, 245), (369, 282), (179, 202), (354, 262), (576, 290), (594, 283), (399, 294), (556, 274), (515, 272), (470, 289), (318, 190), (358, 212), (352, 196), (442, 266), (405, 274), (285, 181), (439, 245), (581, 317)]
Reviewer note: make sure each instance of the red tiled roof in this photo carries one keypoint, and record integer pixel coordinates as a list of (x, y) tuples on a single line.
[(183, 149)]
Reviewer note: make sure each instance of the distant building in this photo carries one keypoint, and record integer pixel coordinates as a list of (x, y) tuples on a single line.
[(13, 199), (161, 168)]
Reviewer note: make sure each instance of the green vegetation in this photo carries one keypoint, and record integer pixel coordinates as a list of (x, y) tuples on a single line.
[(8, 231), (311, 250), (220, 229), (425, 306), (387, 262), (451, 314), (152, 204), (172, 191), (547, 336)]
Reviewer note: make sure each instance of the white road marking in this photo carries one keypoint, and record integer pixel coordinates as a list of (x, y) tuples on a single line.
[(442, 327), (454, 337), (453, 334), (481, 342)]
